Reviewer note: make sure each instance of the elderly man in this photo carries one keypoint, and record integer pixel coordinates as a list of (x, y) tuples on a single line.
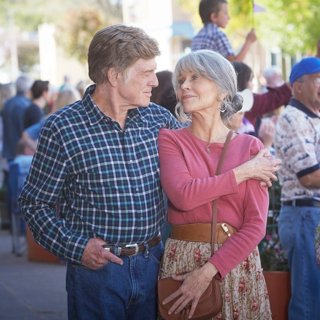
[(297, 143), (98, 158)]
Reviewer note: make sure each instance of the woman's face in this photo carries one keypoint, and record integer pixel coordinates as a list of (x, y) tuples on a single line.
[(197, 93)]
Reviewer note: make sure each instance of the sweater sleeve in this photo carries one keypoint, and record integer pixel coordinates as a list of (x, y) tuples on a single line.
[(184, 191), (243, 242), (268, 101), (255, 211)]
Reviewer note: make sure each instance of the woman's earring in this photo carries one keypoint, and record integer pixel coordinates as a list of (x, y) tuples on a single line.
[(222, 108)]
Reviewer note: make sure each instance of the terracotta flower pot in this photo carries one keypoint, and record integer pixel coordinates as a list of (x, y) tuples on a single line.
[(37, 253), (278, 284)]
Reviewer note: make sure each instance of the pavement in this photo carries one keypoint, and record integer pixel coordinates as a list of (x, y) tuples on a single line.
[(30, 290)]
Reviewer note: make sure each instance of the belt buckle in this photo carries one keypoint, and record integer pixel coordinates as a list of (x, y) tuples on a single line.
[(225, 229), (133, 246)]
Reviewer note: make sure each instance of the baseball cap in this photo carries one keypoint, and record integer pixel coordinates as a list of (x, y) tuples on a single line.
[(247, 97), (305, 66)]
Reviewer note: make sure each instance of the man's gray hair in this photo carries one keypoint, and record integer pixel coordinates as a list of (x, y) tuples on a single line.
[(23, 84), (270, 71), (118, 46)]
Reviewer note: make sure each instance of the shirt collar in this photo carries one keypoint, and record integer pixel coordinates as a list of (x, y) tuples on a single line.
[(211, 26), (300, 106), (93, 112)]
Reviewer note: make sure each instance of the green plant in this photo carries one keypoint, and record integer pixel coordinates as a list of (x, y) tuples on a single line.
[(273, 258)]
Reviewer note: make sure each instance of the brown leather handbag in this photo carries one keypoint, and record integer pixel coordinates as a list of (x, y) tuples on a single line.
[(210, 303)]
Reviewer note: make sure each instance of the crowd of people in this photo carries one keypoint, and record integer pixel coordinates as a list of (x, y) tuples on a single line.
[(114, 166), (25, 106), (26, 103)]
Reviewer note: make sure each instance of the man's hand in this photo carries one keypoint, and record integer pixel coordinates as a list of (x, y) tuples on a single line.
[(95, 257), (251, 36)]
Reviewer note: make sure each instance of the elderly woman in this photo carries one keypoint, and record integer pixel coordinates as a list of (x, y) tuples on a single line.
[(206, 88)]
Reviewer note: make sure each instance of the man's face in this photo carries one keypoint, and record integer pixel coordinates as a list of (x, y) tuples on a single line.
[(136, 82), (309, 86)]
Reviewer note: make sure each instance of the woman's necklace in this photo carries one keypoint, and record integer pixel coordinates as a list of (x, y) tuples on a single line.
[(208, 147)]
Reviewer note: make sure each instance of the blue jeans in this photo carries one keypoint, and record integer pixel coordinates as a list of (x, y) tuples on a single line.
[(115, 292), (297, 227)]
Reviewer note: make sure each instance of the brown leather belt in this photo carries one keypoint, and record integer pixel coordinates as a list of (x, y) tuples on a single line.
[(201, 232), (132, 249)]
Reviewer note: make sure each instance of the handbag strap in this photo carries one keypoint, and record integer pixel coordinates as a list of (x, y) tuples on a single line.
[(214, 202)]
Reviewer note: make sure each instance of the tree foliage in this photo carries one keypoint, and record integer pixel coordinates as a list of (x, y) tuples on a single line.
[(28, 55), (28, 14), (292, 25), (79, 27), (75, 20)]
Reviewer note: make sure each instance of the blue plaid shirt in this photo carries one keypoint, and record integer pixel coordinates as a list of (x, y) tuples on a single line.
[(105, 179), (212, 38)]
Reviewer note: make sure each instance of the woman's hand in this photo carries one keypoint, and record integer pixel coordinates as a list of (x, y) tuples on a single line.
[(193, 286), (262, 167)]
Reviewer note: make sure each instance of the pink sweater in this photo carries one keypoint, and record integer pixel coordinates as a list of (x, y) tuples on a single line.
[(187, 173)]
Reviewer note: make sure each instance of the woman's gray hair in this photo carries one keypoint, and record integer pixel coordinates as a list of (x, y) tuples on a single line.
[(213, 66)]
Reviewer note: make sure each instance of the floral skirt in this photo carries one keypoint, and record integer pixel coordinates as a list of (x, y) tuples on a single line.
[(244, 291)]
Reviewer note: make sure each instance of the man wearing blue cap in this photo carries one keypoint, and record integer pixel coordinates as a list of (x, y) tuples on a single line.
[(297, 143)]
